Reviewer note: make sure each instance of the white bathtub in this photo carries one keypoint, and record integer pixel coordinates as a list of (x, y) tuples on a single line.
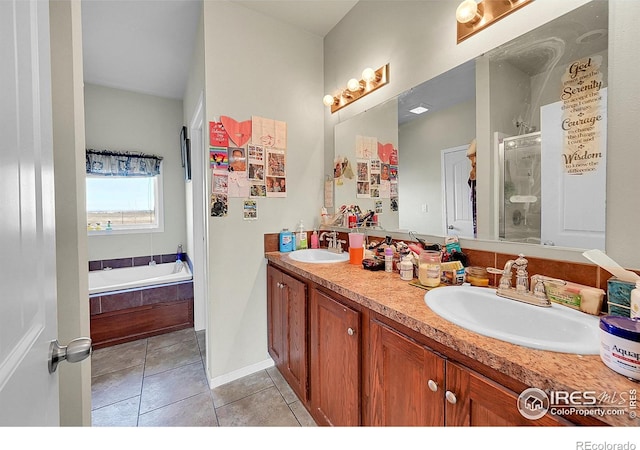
[(134, 277)]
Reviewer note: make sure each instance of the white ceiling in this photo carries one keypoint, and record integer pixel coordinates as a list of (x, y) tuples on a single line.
[(146, 45)]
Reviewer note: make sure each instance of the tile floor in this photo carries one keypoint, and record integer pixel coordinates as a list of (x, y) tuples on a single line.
[(161, 382)]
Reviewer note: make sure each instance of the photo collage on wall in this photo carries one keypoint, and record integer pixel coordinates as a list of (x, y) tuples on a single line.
[(376, 171), (247, 160)]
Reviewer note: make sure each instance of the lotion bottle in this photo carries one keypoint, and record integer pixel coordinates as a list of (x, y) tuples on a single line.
[(314, 240), (634, 312)]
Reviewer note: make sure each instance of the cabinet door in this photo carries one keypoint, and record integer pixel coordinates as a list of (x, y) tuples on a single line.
[(335, 368), (473, 400), (406, 381), (295, 364), (275, 316)]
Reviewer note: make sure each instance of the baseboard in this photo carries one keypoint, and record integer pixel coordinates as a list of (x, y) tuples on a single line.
[(236, 374)]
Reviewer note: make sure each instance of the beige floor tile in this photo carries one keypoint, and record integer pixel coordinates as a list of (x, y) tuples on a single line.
[(264, 408), (172, 385), (121, 414), (243, 387), (302, 414), (116, 386), (172, 356), (118, 357), (165, 340), (282, 385), (196, 411)]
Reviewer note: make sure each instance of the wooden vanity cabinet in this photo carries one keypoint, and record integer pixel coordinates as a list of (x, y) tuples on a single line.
[(335, 338), (474, 400), (406, 380), (287, 328)]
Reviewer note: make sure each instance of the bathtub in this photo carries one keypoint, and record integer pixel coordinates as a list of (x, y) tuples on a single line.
[(111, 280)]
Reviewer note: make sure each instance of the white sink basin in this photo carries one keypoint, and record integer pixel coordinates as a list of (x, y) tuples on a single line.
[(557, 328), (318, 256)]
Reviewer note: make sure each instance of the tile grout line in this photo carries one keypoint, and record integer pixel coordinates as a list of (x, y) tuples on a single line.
[(146, 349)]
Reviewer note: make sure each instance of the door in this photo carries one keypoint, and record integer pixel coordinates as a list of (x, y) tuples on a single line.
[(458, 211), (28, 314)]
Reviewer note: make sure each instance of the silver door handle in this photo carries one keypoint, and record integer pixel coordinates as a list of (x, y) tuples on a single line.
[(450, 227), (76, 351)]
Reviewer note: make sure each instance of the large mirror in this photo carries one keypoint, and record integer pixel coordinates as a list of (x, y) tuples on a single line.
[(545, 97)]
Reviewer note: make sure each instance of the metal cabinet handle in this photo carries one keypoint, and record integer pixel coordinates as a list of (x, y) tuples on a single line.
[(77, 350), (350, 331), (451, 397), (433, 385)]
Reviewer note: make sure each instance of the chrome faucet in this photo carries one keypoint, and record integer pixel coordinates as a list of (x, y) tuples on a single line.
[(335, 244), (536, 296)]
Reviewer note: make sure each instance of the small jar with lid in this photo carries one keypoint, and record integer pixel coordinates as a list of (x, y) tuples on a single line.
[(429, 271), (477, 276)]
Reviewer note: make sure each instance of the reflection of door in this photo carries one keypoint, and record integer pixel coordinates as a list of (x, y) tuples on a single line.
[(28, 393), (458, 213), (574, 205)]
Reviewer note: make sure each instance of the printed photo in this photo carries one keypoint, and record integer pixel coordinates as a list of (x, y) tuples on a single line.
[(375, 178), (250, 210), (219, 204), (363, 188), (363, 171), (384, 172), (275, 164), (375, 192), (220, 182), (375, 166), (258, 190), (256, 171), (237, 159), (393, 173), (256, 153), (218, 158)]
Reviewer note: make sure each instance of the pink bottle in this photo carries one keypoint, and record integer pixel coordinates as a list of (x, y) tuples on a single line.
[(314, 240)]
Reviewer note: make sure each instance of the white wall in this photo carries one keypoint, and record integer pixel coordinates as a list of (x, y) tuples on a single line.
[(257, 66), (126, 121), (418, 40), (420, 171)]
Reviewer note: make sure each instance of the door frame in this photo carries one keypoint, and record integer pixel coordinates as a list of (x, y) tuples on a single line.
[(443, 182)]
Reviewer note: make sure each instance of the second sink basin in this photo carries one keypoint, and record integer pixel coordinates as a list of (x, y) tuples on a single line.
[(318, 256), (557, 328)]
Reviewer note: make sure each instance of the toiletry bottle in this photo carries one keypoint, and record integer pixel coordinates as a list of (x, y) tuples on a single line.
[(314, 239), (634, 313), (301, 237), (109, 226), (286, 241), (406, 268), (388, 259)]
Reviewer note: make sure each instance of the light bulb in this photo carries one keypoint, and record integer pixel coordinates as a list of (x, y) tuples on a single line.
[(353, 85), (368, 74), (467, 11), (328, 100)]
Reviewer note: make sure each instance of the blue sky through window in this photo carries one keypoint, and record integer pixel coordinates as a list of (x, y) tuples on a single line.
[(120, 194)]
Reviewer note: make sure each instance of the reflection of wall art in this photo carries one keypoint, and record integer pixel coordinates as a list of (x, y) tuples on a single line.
[(384, 152), (394, 204), (362, 169), (393, 173), (378, 206), (269, 132)]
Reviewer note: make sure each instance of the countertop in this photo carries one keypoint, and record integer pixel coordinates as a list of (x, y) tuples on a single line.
[(536, 368)]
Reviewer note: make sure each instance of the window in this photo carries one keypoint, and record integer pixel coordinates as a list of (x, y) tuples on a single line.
[(130, 204)]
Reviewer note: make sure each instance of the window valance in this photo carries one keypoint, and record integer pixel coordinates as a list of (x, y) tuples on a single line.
[(122, 164)]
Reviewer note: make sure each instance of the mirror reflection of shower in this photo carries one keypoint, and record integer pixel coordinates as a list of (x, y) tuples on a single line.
[(521, 219)]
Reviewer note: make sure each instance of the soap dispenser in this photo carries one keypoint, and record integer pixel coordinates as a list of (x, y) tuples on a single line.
[(301, 237), (314, 239)]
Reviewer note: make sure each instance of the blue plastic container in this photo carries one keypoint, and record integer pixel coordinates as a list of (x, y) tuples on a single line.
[(286, 241)]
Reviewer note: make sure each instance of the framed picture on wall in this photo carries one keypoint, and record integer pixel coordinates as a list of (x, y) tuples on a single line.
[(185, 153)]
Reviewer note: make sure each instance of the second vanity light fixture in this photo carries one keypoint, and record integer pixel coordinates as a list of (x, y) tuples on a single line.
[(371, 80), (473, 16)]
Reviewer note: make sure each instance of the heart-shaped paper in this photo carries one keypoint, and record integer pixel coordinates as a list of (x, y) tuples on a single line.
[(239, 132), (384, 152)]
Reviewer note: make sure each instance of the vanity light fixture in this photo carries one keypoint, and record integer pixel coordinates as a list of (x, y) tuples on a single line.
[(473, 16), (371, 80)]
